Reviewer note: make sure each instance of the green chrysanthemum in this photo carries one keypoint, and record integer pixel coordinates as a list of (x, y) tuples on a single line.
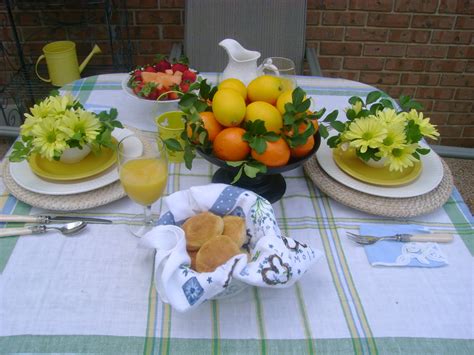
[(49, 141), (402, 158), (366, 132), (426, 128)]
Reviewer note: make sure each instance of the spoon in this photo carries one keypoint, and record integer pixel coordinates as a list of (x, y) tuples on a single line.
[(67, 229)]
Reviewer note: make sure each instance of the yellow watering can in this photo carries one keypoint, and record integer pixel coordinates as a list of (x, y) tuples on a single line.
[(61, 60)]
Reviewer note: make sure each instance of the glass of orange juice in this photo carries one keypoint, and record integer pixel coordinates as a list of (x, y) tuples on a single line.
[(282, 67), (143, 175)]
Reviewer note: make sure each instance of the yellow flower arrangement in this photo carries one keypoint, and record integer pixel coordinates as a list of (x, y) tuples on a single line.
[(61, 122), (376, 130)]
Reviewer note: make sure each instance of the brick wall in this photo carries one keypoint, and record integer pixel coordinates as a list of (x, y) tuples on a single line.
[(422, 48)]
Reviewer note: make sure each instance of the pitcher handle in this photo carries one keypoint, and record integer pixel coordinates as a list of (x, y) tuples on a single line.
[(272, 68), (36, 69)]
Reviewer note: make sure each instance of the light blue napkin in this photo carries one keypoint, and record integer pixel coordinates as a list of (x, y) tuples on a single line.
[(392, 253)]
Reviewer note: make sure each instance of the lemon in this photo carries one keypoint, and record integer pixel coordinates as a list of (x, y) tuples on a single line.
[(283, 99), (267, 113), (234, 84), (228, 107), (265, 88)]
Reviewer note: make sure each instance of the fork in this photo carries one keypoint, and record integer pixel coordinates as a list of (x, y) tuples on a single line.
[(368, 239)]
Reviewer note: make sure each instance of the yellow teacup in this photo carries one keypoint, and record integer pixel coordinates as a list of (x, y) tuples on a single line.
[(171, 125)]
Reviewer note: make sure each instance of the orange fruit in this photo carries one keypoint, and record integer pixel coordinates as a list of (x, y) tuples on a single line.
[(210, 124), (315, 125), (229, 144), (276, 154), (302, 150)]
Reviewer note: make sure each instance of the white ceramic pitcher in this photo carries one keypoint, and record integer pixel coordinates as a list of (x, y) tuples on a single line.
[(242, 62)]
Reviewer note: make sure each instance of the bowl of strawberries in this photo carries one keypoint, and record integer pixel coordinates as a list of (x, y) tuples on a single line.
[(156, 88)]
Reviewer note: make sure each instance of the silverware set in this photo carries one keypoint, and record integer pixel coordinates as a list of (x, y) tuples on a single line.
[(74, 225)]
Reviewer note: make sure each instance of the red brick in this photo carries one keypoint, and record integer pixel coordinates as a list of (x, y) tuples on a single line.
[(446, 65), (27, 19), (329, 48), (385, 50), (416, 6), (427, 51), (430, 21), (470, 66), (456, 6), (33, 48), (453, 106), (459, 142), (450, 131), (173, 32), (420, 79), (171, 3), (409, 36), (324, 33), (461, 80), (158, 17), (144, 32), (426, 104), (313, 17), (437, 118), (327, 4), (85, 33), (397, 90), (330, 63), (352, 63), (342, 74), (461, 119), (462, 52), (366, 34), (143, 59), (379, 78), (464, 94), (388, 20), (468, 132), (434, 93), (464, 22), (344, 18), (154, 47), (142, 4), (447, 6), (371, 5), (404, 64), (451, 37)]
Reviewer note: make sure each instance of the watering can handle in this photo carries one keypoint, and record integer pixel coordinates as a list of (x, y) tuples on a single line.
[(36, 69)]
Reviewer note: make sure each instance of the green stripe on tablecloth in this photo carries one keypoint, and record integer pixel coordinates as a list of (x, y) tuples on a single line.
[(261, 325), (134, 345), (459, 219), (152, 298), (215, 327), (356, 342), (8, 244), (299, 294), (350, 282)]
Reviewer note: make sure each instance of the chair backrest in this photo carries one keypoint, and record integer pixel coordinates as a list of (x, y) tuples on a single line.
[(275, 28)]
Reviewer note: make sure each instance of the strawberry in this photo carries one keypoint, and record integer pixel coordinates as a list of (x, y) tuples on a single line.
[(137, 88), (179, 67), (184, 86), (150, 69), (162, 65), (189, 75), (137, 74), (173, 96), (161, 91)]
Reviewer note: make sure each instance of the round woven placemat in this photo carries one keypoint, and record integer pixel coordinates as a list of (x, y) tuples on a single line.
[(381, 206), (73, 202)]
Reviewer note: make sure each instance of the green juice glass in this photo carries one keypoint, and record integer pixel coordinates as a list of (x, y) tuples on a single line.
[(171, 125)]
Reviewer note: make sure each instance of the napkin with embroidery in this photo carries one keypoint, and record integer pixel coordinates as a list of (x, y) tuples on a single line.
[(392, 253)]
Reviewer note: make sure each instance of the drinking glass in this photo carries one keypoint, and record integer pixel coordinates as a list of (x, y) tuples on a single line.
[(143, 175), (283, 68)]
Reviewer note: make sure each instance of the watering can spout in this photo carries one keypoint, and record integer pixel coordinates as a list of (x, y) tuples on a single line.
[(95, 50)]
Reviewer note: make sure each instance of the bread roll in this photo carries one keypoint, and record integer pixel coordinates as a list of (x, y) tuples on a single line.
[(215, 252), (200, 228), (192, 255), (235, 229)]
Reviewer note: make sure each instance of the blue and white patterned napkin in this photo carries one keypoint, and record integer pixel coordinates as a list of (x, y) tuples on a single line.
[(392, 253)]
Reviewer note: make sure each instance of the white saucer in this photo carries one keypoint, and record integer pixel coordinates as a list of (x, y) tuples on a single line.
[(24, 176), (430, 177)]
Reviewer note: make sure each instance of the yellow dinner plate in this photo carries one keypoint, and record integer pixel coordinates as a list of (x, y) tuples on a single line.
[(91, 165), (349, 163)]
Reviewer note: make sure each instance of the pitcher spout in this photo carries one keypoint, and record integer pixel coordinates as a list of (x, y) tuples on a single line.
[(95, 50), (236, 52)]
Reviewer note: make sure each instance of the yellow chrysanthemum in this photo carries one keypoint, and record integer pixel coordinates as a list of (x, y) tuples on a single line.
[(395, 138), (390, 116), (49, 141), (402, 158), (366, 132), (40, 110), (81, 124), (59, 104), (27, 126), (426, 128)]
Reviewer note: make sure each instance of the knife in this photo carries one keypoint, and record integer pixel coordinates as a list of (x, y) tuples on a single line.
[(48, 219)]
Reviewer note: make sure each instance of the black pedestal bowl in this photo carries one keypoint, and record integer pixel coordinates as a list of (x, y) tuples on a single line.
[(271, 185)]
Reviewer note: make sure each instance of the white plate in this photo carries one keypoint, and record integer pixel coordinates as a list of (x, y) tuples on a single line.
[(24, 176), (430, 177)]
